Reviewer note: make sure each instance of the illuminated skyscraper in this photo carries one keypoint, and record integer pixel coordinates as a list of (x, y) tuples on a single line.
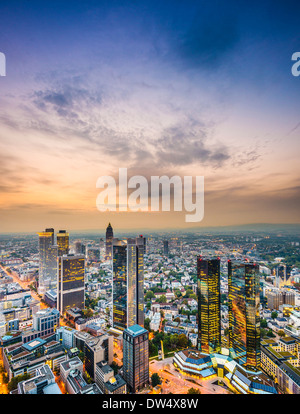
[(47, 261), (209, 312), (70, 282), (62, 238), (135, 357), (108, 242), (51, 230), (128, 282), (244, 320), (141, 250)]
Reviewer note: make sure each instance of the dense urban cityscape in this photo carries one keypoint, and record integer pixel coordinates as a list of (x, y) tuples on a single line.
[(177, 312)]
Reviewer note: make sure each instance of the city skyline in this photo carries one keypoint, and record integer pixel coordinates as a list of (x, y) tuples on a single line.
[(175, 88)]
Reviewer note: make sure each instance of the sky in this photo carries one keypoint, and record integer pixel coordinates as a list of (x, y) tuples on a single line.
[(188, 88)]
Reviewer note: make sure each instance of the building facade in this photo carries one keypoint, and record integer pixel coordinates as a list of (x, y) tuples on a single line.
[(243, 311), (70, 282), (135, 357), (209, 304)]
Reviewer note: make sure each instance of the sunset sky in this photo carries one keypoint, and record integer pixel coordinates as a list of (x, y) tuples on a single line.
[(159, 87)]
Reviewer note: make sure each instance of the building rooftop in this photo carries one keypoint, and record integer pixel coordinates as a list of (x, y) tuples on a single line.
[(115, 383), (136, 330), (35, 343)]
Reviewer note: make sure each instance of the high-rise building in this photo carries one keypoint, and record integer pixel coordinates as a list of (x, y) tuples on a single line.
[(47, 262), (62, 238), (51, 230), (243, 311), (124, 283), (141, 250), (128, 282), (46, 321), (109, 242), (283, 274), (77, 247), (70, 282), (166, 247), (209, 304), (135, 357), (96, 350)]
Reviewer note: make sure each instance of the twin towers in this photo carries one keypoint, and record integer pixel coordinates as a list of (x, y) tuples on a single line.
[(128, 279), (243, 310)]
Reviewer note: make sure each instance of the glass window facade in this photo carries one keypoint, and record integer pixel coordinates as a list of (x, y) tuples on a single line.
[(244, 321), (208, 287)]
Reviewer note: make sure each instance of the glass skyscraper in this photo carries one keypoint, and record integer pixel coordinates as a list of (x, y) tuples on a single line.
[(62, 238), (244, 320), (208, 288), (70, 282), (135, 357), (141, 250), (128, 282), (47, 261)]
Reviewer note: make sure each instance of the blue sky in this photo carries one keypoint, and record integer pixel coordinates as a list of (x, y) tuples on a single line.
[(159, 87)]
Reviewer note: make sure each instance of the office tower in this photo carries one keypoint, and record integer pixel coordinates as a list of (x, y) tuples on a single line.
[(274, 299), (96, 350), (47, 262), (62, 238), (128, 282), (166, 247), (243, 311), (209, 305), (93, 254), (77, 247), (135, 357), (70, 282), (283, 274), (46, 321), (51, 230), (124, 283), (108, 242), (140, 251)]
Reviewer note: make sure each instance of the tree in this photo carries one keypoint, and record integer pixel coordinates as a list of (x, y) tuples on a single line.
[(155, 379), (281, 333), (263, 323), (147, 324), (182, 341), (270, 334), (13, 383), (149, 295), (162, 299), (274, 315)]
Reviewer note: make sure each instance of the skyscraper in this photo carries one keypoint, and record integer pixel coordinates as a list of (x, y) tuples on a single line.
[(128, 282), (209, 312), (62, 238), (70, 282), (47, 261), (51, 230), (283, 274), (141, 250), (244, 320), (108, 242), (135, 357)]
